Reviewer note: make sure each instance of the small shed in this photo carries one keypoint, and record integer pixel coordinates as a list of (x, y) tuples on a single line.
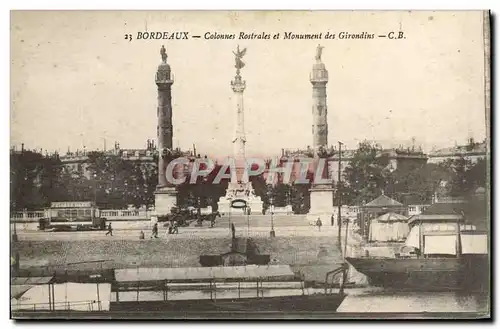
[(390, 227)]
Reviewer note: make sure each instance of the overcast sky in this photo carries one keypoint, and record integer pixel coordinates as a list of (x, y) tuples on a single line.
[(76, 81)]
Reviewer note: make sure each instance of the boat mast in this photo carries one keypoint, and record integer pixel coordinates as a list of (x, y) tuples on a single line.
[(339, 199), (339, 222), (458, 244), (420, 240)]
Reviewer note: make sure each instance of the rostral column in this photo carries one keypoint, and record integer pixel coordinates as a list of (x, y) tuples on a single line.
[(321, 194), (165, 194)]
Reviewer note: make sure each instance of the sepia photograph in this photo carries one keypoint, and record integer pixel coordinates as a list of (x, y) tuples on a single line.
[(250, 165)]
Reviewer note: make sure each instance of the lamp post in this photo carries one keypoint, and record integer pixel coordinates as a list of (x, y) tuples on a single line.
[(95, 189), (247, 213), (272, 234), (339, 192), (14, 233), (126, 195)]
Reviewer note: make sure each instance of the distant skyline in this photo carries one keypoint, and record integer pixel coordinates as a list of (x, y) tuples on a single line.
[(75, 81)]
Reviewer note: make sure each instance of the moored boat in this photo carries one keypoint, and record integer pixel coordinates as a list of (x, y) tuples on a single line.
[(447, 253), (252, 288)]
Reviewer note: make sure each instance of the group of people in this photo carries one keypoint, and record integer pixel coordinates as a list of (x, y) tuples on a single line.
[(319, 223), (172, 229)]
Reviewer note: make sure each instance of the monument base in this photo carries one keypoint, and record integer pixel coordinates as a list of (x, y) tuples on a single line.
[(321, 205), (165, 200), (224, 206), (240, 191)]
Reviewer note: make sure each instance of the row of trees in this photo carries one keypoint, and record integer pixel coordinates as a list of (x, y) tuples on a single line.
[(370, 172), (113, 182)]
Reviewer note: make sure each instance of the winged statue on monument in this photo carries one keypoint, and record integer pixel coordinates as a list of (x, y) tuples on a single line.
[(239, 64)]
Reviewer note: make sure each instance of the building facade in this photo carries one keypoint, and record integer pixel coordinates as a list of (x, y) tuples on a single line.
[(472, 151)]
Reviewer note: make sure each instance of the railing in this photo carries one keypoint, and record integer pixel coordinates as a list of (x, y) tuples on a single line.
[(27, 216), (126, 214), (34, 216), (87, 305)]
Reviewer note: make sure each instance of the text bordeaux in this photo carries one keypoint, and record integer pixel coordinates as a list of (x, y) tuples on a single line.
[(162, 35)]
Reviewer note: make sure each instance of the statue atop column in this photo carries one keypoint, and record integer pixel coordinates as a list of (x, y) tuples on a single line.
[(238, 56), (163, 53), (319, 51)]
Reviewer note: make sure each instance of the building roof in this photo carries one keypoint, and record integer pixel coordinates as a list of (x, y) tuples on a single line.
[(383, 201), (391, 217), (435, 218), (448, 208), (470, 149)]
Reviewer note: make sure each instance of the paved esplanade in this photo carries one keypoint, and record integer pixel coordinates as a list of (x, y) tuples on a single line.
[(256, 226)]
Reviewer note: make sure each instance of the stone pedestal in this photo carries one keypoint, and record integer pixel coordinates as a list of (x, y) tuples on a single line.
[(165, 200), (243, 191), (321, 204)]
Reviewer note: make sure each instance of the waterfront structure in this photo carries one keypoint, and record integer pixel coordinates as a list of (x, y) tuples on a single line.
[(239, 187), (389, 227)]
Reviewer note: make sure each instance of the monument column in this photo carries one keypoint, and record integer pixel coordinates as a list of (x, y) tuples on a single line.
[(319, 79), (165, 194), (321, 194), (238, 85), (239, 139), (239, 188)]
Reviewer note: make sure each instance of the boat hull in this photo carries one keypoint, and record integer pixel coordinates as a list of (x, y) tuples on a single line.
[(303, 303), (466, 273)]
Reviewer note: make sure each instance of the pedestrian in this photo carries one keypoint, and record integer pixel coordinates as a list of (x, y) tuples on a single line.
[(110, 230), (155, 231), (319, 224), (332, 220)]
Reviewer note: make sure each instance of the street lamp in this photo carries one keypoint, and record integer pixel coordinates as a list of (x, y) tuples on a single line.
[(272, 234), (14, 234), (95, 189), (126, 195)]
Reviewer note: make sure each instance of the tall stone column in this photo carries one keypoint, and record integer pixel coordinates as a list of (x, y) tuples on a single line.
[(319, 79), (165, 194), (321, 194), (239, 140)]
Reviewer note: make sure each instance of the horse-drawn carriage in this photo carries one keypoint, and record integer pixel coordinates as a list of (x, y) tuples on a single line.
[(184, 217)]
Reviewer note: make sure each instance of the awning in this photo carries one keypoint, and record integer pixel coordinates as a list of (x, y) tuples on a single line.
[(18, 291), (35, 280), (206, 274)]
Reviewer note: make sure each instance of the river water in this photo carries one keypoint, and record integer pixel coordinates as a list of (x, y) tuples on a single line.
[(358, 300)]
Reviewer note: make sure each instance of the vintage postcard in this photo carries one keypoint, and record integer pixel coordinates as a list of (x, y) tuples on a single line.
[(250, 164)]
